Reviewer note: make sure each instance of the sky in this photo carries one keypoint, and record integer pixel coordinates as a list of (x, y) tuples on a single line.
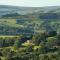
[(31, 3)]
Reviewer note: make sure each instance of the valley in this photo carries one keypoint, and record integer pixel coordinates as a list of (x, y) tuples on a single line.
[(29, 33)]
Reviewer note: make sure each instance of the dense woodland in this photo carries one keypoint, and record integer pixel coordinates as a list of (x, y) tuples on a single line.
[(45, 46), (37, 39)]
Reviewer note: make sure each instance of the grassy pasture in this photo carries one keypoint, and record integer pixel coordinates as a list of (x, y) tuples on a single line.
[(10, 23), (8, 36)]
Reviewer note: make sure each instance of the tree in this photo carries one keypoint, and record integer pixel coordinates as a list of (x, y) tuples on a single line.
[(39, 38), (29, 49), (51, 41), (43, 57), (42, 48), (17, 43)]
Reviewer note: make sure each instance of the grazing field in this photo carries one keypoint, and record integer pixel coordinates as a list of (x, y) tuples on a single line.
[(9, 22)]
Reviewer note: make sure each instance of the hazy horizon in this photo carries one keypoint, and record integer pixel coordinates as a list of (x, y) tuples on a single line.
[(30, 3)]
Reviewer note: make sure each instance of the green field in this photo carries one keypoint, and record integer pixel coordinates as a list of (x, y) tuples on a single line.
[(10, 23)]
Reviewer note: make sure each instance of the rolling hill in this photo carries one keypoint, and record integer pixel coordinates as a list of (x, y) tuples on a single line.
[(16, 20), (26, 10)]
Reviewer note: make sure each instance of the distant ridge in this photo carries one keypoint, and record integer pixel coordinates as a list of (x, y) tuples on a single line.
[(7, 9)]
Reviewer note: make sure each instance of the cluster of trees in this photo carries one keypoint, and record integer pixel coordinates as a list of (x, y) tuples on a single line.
[(43, 46), (49, 16)]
